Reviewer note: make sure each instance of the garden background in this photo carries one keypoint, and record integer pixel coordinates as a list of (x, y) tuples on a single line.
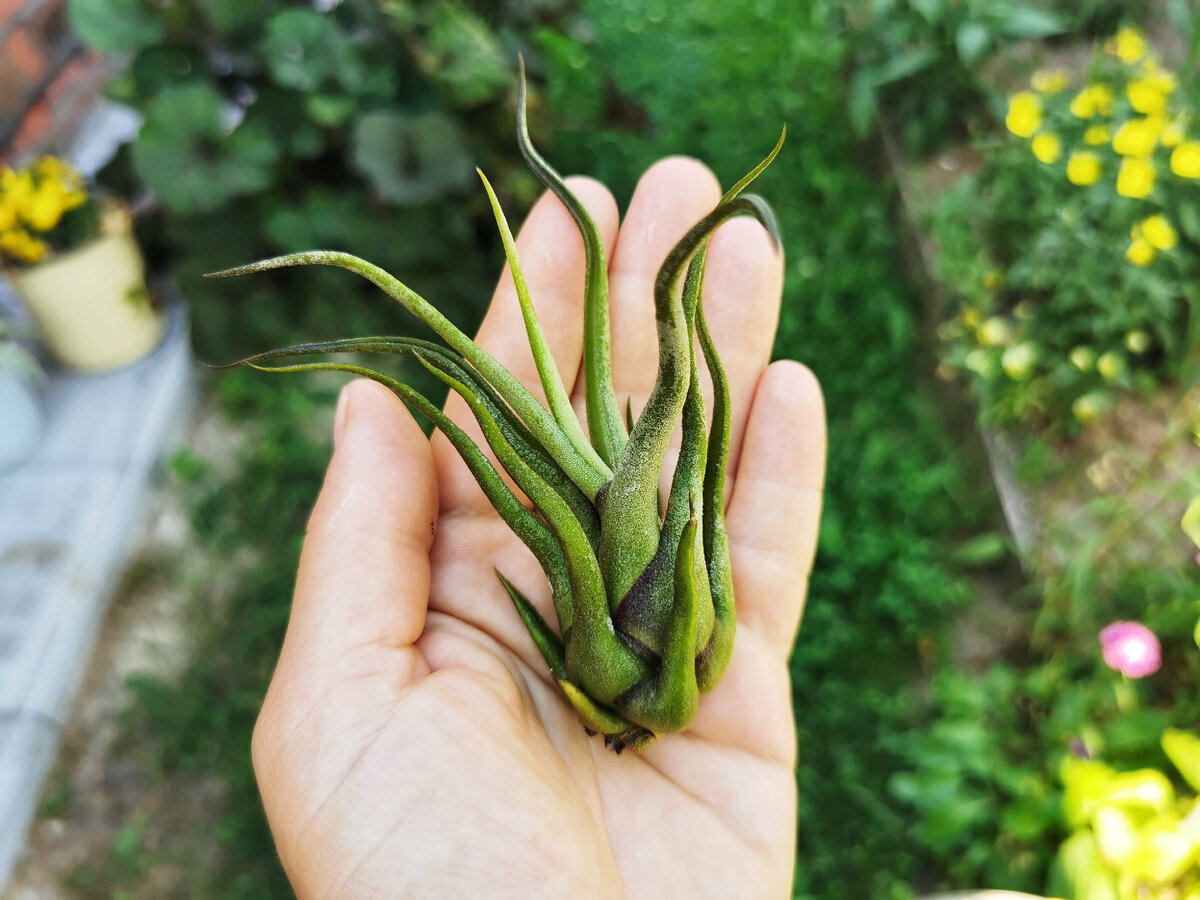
[(943, 681)]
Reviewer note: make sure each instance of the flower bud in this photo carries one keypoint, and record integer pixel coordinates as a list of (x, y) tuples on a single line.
[(1083, 358), (1018, 361), (1131, 649), (1111, 365), (995, 332)]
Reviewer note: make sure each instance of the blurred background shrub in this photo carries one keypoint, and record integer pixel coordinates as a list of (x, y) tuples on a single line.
[(283, 126), (1074, 250)]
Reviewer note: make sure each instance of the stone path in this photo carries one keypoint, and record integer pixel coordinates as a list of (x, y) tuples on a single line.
[(68, 517)]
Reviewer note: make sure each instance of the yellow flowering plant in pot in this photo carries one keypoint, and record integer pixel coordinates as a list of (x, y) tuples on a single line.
[(1074, 250), (1134, 834), (72, 258)]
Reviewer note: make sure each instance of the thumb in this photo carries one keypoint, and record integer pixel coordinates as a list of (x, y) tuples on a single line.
[(364, 571)]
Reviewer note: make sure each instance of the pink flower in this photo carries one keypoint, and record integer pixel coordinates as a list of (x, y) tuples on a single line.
[(1131, 649)]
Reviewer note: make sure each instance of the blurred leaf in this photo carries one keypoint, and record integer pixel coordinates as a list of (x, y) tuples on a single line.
[(185, 156), (1030, 22), (1135, 732), (862, 104), (972, 40), (1083, 871), (304, 49), (982, 550), (1191, 520), (463, 56), (410, 158), (283, 115), (1183, 749), (115, 26), (230, 15), (902, 65), (329, 110), (932, 11), (1029, 819)]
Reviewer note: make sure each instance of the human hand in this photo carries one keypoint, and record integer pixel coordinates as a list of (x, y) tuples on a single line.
[(412, 742)]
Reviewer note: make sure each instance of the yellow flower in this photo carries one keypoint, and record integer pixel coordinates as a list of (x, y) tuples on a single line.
[(1162, 78), (1087, 409), (1141, 252), (1024, 114), (73, 198), (54, 167), (1137, 341), (1159, 232), (17, 187), (1185, 160), (45, 208), (991, 280), (1083, 168), (1128, 46), (1018, 361), (22, 246), (8, 214), (994, 332), (1093, 99), (1096, 135), (1147, 96), (1047, 147), (1137, 137), (1135, 178), (1050, 81), (970, 317)]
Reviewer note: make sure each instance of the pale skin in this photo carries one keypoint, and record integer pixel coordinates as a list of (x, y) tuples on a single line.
[(412, 743)]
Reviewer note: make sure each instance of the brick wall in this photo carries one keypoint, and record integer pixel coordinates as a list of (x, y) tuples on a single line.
[(47, 80)]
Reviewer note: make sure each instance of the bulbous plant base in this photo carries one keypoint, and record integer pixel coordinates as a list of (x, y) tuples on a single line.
[(642, 592)]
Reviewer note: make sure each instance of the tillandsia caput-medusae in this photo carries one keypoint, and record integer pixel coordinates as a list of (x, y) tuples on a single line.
[(643, 594)]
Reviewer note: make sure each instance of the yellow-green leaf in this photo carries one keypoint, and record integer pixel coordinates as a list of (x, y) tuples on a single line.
[(1191, 520), (1165, 851), (1086, 782), (1183, 749), (1146, 789), (1080, 860), (1116, 834)]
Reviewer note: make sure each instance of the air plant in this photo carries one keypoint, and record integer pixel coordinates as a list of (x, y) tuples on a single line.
[(643, 594)]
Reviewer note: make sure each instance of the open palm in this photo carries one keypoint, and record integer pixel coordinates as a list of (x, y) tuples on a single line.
[(412, 742)]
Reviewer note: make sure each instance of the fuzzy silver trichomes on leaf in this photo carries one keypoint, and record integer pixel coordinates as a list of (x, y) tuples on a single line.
[(643, 593)]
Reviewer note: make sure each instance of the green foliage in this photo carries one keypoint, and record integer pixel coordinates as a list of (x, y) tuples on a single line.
[(186, 156), (921, 59), (1074, 282), (982, 811)]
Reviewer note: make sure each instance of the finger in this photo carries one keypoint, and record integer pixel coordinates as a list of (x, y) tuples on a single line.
[(550, 250), (364, 573), (743, 284), (775, 509), (671, 197)]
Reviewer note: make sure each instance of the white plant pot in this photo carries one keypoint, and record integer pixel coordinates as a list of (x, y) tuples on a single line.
[(91, 304)]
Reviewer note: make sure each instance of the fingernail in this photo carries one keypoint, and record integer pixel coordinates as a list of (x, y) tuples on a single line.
[(341, 415)]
